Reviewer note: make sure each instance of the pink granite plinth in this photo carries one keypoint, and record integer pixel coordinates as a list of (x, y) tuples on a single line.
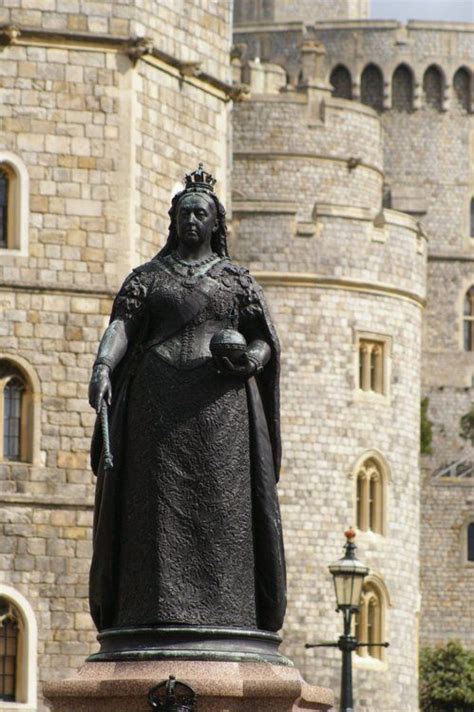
[(220, 686)]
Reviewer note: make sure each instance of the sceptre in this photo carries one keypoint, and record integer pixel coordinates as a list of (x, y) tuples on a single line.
[(104, 422)]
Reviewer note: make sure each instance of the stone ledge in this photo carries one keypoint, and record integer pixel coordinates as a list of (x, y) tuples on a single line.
[(222, 686)]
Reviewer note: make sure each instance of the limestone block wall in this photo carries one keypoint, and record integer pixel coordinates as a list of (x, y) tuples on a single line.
[(334, 265), (97, 140), (167, 22)]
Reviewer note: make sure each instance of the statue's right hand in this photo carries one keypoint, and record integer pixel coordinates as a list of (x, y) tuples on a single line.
[(100, 387)]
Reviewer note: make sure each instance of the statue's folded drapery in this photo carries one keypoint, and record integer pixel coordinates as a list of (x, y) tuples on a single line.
[(187, 525)]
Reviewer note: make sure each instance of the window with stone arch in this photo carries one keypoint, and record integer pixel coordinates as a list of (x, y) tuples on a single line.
[(462, 89), (371, 474), (370, 621), (341, 82), (402, 89), (468, 320), (470, 542), (371, 87), (14, 204), (19, 411), (433, 88), (18, 651)]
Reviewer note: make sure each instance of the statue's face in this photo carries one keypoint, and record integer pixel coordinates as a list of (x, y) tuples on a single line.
[(197, 216)]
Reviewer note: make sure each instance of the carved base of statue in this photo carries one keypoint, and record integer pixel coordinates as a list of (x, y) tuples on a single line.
[(184, 642), (197, 686)]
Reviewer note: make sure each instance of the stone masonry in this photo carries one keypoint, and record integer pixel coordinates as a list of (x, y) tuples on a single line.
[(106, 125)]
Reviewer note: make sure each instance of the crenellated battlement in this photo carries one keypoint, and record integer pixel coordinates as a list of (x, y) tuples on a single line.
[(364, 58)]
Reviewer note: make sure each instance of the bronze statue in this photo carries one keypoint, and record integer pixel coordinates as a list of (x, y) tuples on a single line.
[(187, 526)]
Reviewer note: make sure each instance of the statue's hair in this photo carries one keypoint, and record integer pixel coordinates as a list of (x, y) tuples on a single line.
[(219, 237)]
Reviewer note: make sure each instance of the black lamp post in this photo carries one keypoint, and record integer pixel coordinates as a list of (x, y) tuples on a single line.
[(348, 574)]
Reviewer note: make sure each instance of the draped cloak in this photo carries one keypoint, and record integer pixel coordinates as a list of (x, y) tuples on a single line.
[(262, 394)]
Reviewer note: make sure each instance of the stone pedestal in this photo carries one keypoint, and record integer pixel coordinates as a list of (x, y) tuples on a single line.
[(220, 687)]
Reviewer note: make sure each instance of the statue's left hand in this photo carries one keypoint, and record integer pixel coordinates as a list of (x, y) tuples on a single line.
[(245, 367)]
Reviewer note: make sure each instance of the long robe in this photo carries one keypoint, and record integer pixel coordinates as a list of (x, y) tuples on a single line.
[(187, 525)]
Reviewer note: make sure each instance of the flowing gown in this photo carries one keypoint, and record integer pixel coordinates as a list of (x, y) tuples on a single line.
[(184, 499)]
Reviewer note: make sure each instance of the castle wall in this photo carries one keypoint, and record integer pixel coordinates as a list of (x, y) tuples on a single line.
[(167, 22), (427, 172), (104, 139), (334, 265)]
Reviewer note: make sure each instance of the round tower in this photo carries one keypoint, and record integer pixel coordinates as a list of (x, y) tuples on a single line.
[(346, 283), (419, 78)]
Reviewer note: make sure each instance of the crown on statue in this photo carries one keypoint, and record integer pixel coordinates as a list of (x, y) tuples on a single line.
[(200, 180)]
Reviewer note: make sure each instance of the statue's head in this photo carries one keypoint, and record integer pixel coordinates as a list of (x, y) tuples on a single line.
[(199, 189)]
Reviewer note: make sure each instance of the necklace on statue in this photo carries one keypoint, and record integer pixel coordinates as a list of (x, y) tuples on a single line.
[(192, 267)]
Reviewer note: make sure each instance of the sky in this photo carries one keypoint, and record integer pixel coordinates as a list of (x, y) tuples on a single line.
[(454, 10)]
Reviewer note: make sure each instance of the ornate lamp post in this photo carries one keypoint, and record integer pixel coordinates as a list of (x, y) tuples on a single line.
[(348, 574)]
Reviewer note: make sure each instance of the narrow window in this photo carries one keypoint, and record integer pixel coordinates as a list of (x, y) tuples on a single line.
[(468, 320), (373, 503), (368, 627), (9, 634), (470, 542), (462, 89), (341, 82), (371, 366), (433, 88), (12, 408), (402, 89), (471, 218), (371, 87), (19, 412), (370, 497), (4, 186)]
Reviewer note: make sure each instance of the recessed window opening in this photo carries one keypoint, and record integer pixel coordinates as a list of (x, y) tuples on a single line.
[(402, 89), (341, 82), (12, 410), (371, 87), (433, 86), (468, 326), (9, 636), (369, 497), (371, 366), (4, 191), (369, 622), (470, 542)]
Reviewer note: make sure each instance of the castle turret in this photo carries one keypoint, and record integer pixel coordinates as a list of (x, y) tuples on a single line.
[(346, 282)]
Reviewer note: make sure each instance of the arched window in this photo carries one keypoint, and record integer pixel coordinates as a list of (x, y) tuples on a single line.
[(468, 320), (19, 411), (370, 496), (9, 634), (402, 89), (470, 541), (4, 190), (369, 622), (18, 642), (462, 89), (341, 82), (433, 86), (13, 393), (14, 204), (371, 87)]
